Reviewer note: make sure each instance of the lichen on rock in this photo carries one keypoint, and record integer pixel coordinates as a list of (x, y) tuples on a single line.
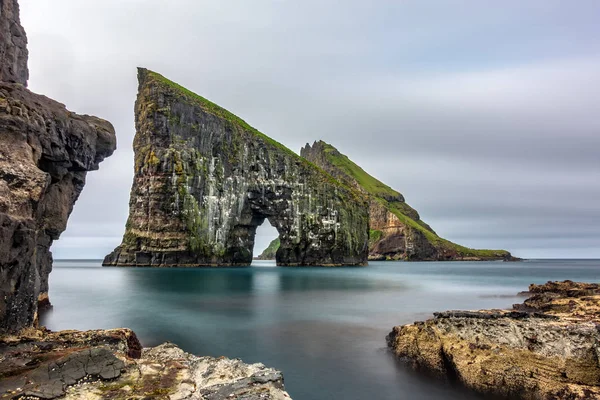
[(397, 231), (546, 348), (111, 364), (205, 180)]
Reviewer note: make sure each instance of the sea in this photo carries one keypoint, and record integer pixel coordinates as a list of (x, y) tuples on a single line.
[(324, 328)]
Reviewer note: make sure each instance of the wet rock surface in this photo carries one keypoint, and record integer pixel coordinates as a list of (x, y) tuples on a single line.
[(397, 231), (546, 348), (45, 154), (205, 180), (110, 365)]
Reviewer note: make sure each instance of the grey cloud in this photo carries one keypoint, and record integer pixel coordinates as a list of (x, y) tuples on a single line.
[(483, 114)]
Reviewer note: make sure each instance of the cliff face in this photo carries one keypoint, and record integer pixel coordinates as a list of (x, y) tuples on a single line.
[(545, 348), (396, 229), (205, 180), (45, 153), (13, 44)]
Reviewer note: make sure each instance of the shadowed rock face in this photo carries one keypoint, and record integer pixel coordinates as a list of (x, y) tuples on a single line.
[(205, 180), (397, 231), (45, 153), (545, 348)]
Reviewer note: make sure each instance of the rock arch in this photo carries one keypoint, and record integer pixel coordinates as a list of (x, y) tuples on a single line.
[(205, 179)]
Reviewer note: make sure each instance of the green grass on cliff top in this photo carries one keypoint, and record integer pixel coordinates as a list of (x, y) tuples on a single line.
[(220, 112), (381, 191), (371, 184), (214, 109), (437, 241)]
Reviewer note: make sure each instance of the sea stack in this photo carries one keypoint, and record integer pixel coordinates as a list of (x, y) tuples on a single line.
[(205, 180), (396, 229), (45, 154)]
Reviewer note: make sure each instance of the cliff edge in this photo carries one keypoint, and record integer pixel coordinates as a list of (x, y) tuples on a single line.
[(45, 154)]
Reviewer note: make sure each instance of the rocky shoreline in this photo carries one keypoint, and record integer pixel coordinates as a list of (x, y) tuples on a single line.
[(548, 347), (111, 364)]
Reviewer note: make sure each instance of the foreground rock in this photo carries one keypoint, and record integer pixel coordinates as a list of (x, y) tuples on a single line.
[(205, 180), (397, 231), (45, 154), (546, 348), (111, 365)]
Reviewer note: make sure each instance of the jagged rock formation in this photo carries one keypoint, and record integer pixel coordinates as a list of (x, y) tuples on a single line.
[(271, 251), (13, 45), (45, 153), (396, 229), (205, 180), (546, 348), (112, 365)]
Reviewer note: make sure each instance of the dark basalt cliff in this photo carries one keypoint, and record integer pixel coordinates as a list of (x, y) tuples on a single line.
[(205, 180), (45, 153), (397, 232), (546, 348)]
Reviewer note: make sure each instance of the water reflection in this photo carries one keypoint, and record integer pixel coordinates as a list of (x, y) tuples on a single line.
[(324, 328)]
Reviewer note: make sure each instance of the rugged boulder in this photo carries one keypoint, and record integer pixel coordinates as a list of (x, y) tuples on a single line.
[(397, 231), (546, 348), (45, 153), (111, 365), (205, 180)]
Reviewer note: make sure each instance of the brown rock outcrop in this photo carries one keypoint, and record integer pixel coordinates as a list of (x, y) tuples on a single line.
[(110, 364), (546, 348)]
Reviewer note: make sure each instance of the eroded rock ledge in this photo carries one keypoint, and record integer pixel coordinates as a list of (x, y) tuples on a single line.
[(546, 348), (112, 365)]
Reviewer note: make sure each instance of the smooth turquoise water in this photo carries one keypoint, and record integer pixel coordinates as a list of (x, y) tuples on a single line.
[(324, 328)]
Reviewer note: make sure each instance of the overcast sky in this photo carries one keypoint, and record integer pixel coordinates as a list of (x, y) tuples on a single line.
[(484, 114)]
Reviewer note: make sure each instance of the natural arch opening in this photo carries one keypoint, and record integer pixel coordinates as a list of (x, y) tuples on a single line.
[(266, 242)]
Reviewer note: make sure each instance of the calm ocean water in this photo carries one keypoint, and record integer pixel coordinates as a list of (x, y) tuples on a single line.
[(324, 328)]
